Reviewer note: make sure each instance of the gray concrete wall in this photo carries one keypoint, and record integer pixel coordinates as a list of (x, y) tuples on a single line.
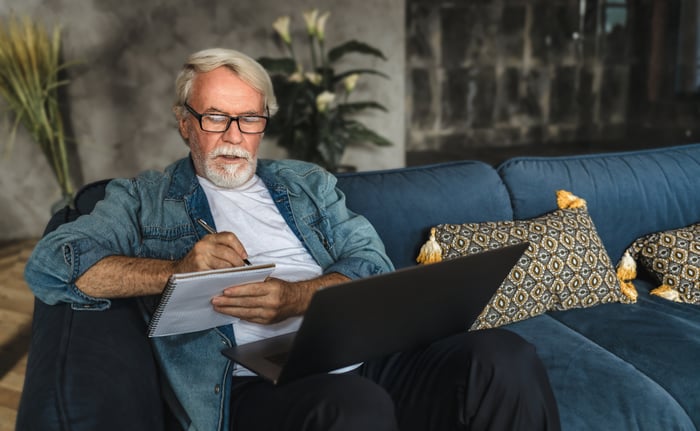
[(130, 51)]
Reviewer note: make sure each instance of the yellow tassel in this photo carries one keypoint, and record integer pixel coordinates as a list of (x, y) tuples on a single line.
[(626, 272), (566, 200), (430, 252), (667, 292), (629, 290), (627, 268)]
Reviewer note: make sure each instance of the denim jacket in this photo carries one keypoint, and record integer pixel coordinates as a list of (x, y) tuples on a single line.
[(153, 216)]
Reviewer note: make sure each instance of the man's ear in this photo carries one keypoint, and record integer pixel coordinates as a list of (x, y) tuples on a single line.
[(181, 123), (182, 127)]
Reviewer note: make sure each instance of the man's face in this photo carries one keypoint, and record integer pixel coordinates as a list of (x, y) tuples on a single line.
[(227, 159)]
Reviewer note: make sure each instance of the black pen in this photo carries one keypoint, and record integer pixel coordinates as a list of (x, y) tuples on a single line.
[(211, 230)]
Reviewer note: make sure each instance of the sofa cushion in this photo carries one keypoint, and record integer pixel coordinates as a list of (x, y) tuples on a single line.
[(596, 389), (565, 265), (629, 194), (659, 338), (673, 258), (403, 204), (90, 371)]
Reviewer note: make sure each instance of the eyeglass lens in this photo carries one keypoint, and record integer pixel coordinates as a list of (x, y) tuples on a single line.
[(221, 123)]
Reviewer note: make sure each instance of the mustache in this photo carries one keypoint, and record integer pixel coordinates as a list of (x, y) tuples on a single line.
[(231, 152)]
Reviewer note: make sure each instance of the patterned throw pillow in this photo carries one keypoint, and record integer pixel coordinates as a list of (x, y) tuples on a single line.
[(673, 258), (565, 266)]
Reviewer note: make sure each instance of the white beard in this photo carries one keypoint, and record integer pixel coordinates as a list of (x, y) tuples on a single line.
[(230, 176)]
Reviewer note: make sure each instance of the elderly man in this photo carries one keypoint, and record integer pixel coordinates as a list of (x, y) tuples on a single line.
[(290, 213)]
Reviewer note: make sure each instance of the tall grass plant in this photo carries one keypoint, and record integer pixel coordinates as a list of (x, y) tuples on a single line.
[(30, 67)]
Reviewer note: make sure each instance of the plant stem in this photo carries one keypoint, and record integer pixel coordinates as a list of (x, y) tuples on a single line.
[(312, 48)]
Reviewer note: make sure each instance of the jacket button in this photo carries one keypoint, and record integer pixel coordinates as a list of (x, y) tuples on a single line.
[(217, 389)]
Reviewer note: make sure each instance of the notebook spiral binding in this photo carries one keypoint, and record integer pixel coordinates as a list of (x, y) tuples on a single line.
[(165, 298)]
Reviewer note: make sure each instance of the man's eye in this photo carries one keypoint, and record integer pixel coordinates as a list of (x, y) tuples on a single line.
[(216, 118), (252, 119)]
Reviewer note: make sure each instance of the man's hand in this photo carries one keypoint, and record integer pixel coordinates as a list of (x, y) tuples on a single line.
[(272, 300), (214, 251)]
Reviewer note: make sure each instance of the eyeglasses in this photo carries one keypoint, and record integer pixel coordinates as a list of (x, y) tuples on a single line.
[(251, 124)]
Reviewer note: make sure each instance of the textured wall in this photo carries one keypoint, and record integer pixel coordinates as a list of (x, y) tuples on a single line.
[(121, 92), (501, 78), (506, 73)]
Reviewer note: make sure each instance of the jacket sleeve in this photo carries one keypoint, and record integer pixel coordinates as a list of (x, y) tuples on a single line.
[(63, 255), (354, 244)]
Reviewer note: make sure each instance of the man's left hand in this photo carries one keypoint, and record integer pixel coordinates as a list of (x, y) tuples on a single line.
[(273, 300)]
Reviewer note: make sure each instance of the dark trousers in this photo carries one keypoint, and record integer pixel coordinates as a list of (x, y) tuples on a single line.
[(481, 380)]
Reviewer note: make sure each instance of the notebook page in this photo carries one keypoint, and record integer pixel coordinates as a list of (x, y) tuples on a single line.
[(185, 305)]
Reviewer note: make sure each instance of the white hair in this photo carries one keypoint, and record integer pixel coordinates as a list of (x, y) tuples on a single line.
[(249, 70)]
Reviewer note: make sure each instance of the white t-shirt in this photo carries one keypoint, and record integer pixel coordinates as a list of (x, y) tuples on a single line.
[(249, 212)]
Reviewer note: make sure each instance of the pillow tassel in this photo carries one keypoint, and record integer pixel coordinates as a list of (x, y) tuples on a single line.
[(626, 272), (629, 290), (430, 252), (667, 292), (568, 200), (627, 268)]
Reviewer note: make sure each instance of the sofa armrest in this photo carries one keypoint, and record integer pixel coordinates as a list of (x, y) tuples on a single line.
[(90, 370)]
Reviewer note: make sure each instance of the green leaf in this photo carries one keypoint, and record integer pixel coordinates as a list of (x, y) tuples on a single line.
[(360, 133), (353, 46), (351, 108), (278, 65), (339, 77)]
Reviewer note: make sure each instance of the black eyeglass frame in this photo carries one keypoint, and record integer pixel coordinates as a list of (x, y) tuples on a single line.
[(230, 118)]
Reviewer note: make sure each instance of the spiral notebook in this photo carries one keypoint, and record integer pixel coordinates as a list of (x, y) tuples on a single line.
[(185, 305)]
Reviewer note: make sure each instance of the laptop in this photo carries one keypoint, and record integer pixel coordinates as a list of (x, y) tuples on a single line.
[(371, 317)]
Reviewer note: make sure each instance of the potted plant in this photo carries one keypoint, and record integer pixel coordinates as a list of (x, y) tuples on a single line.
[(30, 64), (315, 120)]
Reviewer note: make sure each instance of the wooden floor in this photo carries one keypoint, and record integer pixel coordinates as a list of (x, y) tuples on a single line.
[(16, 305)]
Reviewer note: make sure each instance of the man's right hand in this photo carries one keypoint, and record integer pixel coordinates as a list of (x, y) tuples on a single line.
[(214, 251)]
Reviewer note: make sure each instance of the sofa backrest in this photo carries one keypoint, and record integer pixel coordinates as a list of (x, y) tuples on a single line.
[(403, 204), (629, 194)]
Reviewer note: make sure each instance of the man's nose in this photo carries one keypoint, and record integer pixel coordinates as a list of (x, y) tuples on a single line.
[(233, 134)]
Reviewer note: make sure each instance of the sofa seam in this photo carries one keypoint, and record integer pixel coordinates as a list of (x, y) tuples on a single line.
[(612, 155), (428, 167)]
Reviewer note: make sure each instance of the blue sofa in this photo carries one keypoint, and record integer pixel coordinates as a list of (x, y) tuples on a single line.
[(614, 366)]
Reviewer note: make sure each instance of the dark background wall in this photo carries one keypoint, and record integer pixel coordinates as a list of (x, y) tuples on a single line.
[(470, 79), (493, 79)]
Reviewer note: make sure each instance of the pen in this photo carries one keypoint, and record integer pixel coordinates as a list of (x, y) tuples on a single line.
[(211, 230)]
